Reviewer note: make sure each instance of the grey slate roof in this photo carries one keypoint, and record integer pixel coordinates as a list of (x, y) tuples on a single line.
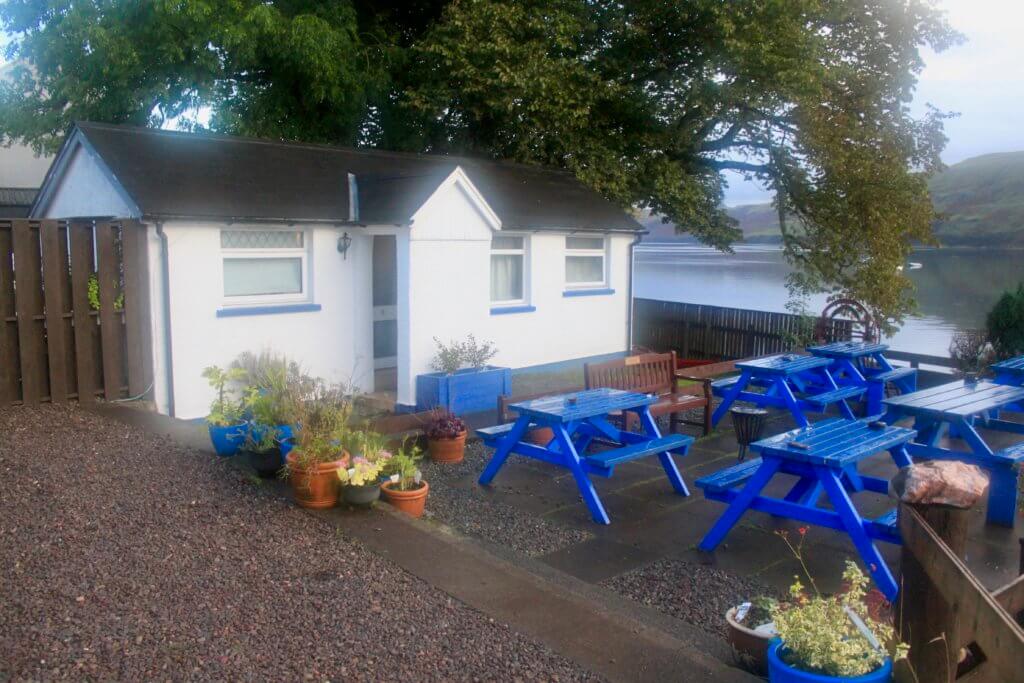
[(170, 173), (16, 201)]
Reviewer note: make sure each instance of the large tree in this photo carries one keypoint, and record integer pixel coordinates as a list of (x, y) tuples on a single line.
[(647, 101)]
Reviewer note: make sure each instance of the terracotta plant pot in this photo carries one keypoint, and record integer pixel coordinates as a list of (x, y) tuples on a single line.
[(409, 502), (361, 496), (448, 450), (750, 646), (539, 436), (316, 487)]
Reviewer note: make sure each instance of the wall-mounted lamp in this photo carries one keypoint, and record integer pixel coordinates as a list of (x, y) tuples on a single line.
[(344, 242)]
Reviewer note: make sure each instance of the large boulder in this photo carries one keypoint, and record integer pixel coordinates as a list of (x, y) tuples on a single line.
[(940, 482)]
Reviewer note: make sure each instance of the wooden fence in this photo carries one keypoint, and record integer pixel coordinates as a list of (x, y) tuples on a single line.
[(55, 344), (715, 332)]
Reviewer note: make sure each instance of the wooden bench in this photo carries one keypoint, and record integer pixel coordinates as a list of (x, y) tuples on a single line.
[(652, 373)]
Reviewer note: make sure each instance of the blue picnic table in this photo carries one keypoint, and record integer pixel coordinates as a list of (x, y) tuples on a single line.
[(781, 378), (964, 406), (578, 419), (1010, 371), (824, 457), (863, 364)]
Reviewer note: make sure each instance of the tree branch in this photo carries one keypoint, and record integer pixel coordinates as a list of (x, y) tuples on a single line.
[(731, 165)]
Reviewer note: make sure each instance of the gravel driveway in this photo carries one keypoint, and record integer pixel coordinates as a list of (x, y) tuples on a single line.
[(125, 556)]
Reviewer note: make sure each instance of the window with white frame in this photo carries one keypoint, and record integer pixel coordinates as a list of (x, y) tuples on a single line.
[(585, 262), (508, 270), (264, 266)]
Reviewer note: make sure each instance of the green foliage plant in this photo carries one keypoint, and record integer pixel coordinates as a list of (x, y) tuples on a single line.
[(456, 355), (1005, 323), (821, 633), (403, 467), (224, 411), (322, 426), (93, 293)]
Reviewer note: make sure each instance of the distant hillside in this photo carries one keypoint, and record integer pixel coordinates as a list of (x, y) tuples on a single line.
[(980, 202)]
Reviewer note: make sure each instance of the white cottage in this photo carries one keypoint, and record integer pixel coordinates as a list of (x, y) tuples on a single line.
[(350, 261)]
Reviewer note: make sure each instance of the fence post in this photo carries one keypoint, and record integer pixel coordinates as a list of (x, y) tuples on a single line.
[(943, 494)]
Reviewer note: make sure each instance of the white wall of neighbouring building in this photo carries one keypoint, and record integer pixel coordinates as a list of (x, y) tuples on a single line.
[(85, 190), (449, 293)]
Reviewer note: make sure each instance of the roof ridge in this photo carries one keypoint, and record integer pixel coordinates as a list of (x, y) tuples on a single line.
[(366, 151)]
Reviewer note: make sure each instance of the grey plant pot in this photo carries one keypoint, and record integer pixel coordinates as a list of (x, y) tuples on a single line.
[(361, 496)]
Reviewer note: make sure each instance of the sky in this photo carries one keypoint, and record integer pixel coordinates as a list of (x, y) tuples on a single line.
[(981, 79)]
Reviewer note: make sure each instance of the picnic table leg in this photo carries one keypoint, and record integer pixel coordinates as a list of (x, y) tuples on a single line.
[(901, 457), (571, 459), (504, 448), (650, 430), (854, 525), (729, 397), (739, 504), (790, 400), (1002, 488)]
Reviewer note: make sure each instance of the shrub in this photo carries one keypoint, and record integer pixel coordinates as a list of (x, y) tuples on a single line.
[(224, 411), (322, 425), (465, 354), (1006, 323), (971, 350), (444, 425)]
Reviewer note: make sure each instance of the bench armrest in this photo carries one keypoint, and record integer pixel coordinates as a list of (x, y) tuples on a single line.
[(705, 381)]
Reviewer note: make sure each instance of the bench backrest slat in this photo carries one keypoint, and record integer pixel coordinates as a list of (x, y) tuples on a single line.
[(652, 373)]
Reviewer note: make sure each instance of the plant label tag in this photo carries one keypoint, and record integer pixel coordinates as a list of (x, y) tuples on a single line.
[(862, 627), (418, 476), (394, 478), (742, 610), (767, 629)]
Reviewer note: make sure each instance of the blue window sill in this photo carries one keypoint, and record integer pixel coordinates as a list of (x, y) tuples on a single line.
[(505, 310), (588, 292), (266, 310)]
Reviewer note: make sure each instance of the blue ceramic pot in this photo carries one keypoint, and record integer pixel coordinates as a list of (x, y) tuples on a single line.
[(286, 437), (227, 440), (780, 672)]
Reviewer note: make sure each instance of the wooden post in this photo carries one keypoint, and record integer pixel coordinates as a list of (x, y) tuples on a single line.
[(942, 493), (928, 623)]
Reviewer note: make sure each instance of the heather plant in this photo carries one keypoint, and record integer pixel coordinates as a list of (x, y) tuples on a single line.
[(444, 425), (456, 355)]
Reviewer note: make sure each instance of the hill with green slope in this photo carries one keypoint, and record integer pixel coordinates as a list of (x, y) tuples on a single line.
[(980, 202)]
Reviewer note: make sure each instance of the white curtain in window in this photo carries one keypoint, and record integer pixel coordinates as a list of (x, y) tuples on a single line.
[(584, 269), (506, 277), (259, 276)]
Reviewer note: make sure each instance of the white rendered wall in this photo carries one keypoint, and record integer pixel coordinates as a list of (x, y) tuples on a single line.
[(334, 343), (449, 295), (85, 190)]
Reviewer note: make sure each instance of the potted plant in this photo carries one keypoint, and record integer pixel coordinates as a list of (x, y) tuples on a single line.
[(263, 449), (751, 629), (832, 638), (463, 382), (405, 488), (446, 437), (361, 480), (227, 428), (318, 451)]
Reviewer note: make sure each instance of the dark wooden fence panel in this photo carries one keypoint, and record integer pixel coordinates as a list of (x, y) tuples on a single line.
[(716, 332), (59, 346)]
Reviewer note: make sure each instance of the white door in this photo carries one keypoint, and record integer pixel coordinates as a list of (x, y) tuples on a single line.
[(385, 300)]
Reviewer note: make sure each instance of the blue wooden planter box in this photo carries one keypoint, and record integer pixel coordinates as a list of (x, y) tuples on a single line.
[(467, 391)]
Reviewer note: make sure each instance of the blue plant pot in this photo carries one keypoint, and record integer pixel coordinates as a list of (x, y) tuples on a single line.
[(472, 390), (286, 437), (227, 440), (780, 672)]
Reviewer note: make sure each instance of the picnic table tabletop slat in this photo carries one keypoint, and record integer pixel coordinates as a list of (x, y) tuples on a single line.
[(582, 404), (958, 399), (785, 364), (848, 349), (836, 443)]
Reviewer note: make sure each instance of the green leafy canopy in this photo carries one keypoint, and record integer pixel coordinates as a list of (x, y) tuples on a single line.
[(648, 102)]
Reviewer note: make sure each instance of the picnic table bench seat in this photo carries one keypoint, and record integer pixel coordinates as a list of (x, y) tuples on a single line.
[(1010, 456), (657, 374), (827, 398), (892, 375), (728, 478), (490, 435), (617, 456)]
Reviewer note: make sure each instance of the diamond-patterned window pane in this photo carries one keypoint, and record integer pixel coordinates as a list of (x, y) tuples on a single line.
[(261, 239)]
